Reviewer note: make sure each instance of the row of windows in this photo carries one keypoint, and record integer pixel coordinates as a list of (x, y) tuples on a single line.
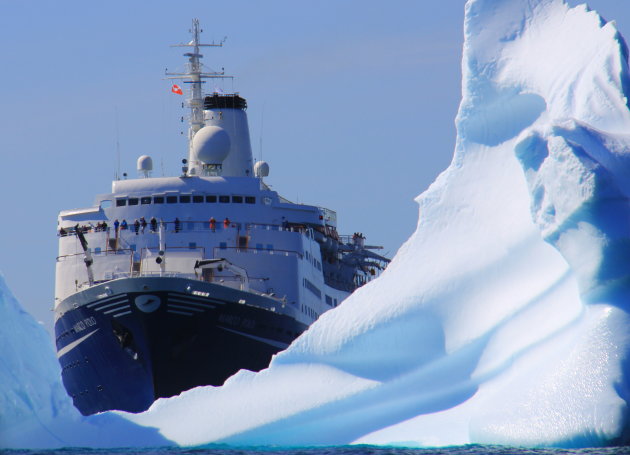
[(186, 199), (330, 301), (309, 257), (311, 287), (308, 310)]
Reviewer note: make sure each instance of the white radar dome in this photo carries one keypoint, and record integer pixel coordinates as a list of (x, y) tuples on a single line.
[(145, 163), (261, 169), (211, 145)]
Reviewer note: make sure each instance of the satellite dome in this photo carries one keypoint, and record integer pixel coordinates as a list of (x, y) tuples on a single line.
[(145, 164), (211, 145), (261, 169)]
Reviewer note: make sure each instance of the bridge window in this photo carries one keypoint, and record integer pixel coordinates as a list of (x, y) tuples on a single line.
[(211, 199), (197, 199), (224, 199), (121, 202), (145, 200), (237, 199), (311, 287), (158, 199), (171, 199), (184, 199), (133, 201), (250, 200)]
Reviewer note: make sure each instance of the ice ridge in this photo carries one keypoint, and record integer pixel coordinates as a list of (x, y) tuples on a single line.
[(503, 319), (35, 411), (490, 324)]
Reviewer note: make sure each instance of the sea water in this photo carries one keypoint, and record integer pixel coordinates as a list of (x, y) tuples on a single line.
[(336, 450)]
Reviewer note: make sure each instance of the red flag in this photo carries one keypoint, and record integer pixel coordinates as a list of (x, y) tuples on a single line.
[(176, 89)]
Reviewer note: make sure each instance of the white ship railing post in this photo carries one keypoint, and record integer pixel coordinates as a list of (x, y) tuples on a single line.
[(161, 259)]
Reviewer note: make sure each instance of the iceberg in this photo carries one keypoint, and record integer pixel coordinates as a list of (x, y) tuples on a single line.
[(502, 320), (35, 411)]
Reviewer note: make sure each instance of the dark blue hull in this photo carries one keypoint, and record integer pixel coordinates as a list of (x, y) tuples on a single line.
[(125, 343)]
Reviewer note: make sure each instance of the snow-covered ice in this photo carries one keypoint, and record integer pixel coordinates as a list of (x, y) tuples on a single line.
[(35, 411), (504, 318)]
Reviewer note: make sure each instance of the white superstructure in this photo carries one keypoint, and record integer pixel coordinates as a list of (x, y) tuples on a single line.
[(265, 235), (218, 208), (169, 283)]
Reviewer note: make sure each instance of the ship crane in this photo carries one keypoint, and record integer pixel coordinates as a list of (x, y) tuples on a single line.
[(220, 264), (89, 260)]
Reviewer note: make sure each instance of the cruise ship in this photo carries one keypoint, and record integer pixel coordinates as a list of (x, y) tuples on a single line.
[(169, 283)]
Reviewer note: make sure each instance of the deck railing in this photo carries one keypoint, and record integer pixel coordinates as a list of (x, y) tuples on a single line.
[(183, 226), (249, 250)]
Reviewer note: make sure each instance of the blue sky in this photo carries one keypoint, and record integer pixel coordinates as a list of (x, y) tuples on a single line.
[(351, 102)]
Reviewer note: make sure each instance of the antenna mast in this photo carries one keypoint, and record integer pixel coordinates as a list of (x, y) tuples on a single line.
[(194, 76), (117, 146)]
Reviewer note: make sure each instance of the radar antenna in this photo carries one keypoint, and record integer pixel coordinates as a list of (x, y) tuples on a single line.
[(194, 76)]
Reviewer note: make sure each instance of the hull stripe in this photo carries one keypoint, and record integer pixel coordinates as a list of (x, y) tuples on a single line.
[(122, 314), (113, 310), (186, 302), (179, 312), (277, 344), (195, 299), (182, 307), (70, 346), (117, 299), (122, 302)]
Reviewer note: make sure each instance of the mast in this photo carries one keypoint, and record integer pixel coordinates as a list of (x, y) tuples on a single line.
[(194, 76)]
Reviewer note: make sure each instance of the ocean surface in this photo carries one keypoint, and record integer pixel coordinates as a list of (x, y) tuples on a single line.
[(338, 450)]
